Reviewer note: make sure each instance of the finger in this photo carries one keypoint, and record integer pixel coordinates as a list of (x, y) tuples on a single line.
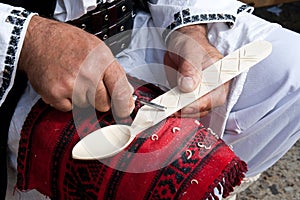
[(119, 89), (79, 96), (200, 105), (63, 105), (171, 70), (95, 94), (187, 53), (89, 87), (189, 76), (189, 68), (193, 115), (99, 97), (58, 97), (215, 98)]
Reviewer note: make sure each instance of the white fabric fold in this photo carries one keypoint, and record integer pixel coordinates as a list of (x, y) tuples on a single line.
[(66, 10)]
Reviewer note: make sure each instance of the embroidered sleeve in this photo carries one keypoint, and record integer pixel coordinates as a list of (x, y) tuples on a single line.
[(13, 23), (170, 15)]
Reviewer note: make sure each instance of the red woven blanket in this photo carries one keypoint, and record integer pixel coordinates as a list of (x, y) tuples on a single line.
[(183, 161)]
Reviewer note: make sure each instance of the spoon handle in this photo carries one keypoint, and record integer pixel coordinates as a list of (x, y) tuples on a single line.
[(212, 77)]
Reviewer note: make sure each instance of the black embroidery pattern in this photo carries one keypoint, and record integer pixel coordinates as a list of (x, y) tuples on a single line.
[(64, 140), (185, 17), (16, 18), (25, 145), (124, 162), (244, 8), (174, 179), (172, 175)]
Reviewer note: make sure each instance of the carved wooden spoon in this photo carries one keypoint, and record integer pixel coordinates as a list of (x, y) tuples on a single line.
[(108, 141)]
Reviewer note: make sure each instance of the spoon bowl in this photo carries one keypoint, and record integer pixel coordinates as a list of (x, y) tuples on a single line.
[(104, 142)]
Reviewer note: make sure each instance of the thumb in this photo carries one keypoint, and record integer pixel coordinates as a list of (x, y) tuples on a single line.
[(189, 71)]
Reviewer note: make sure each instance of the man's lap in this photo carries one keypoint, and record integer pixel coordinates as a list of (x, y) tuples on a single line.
[(221, 41)]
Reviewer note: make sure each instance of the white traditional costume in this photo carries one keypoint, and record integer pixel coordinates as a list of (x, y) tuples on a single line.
[(260, 118)]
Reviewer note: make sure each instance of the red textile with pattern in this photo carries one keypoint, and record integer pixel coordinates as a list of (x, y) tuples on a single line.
[(190, 170)]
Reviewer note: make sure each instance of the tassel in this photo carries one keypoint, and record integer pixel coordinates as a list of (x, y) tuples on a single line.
[(234, 176), (214, 196), (219, 187), (231, 176)]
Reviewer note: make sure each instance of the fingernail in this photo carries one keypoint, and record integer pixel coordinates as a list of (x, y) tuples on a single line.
[(186, 83), (187, 110)]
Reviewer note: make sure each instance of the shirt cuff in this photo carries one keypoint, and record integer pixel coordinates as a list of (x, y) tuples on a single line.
[(171, 18), (13, 22)]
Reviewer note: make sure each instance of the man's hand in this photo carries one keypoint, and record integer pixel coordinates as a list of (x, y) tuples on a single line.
[(66, 66), (189, 52)]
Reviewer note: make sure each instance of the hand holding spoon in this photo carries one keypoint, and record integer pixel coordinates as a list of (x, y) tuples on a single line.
[(110, 140)]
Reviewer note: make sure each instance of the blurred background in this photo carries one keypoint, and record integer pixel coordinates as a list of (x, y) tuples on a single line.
[(282, 181)]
